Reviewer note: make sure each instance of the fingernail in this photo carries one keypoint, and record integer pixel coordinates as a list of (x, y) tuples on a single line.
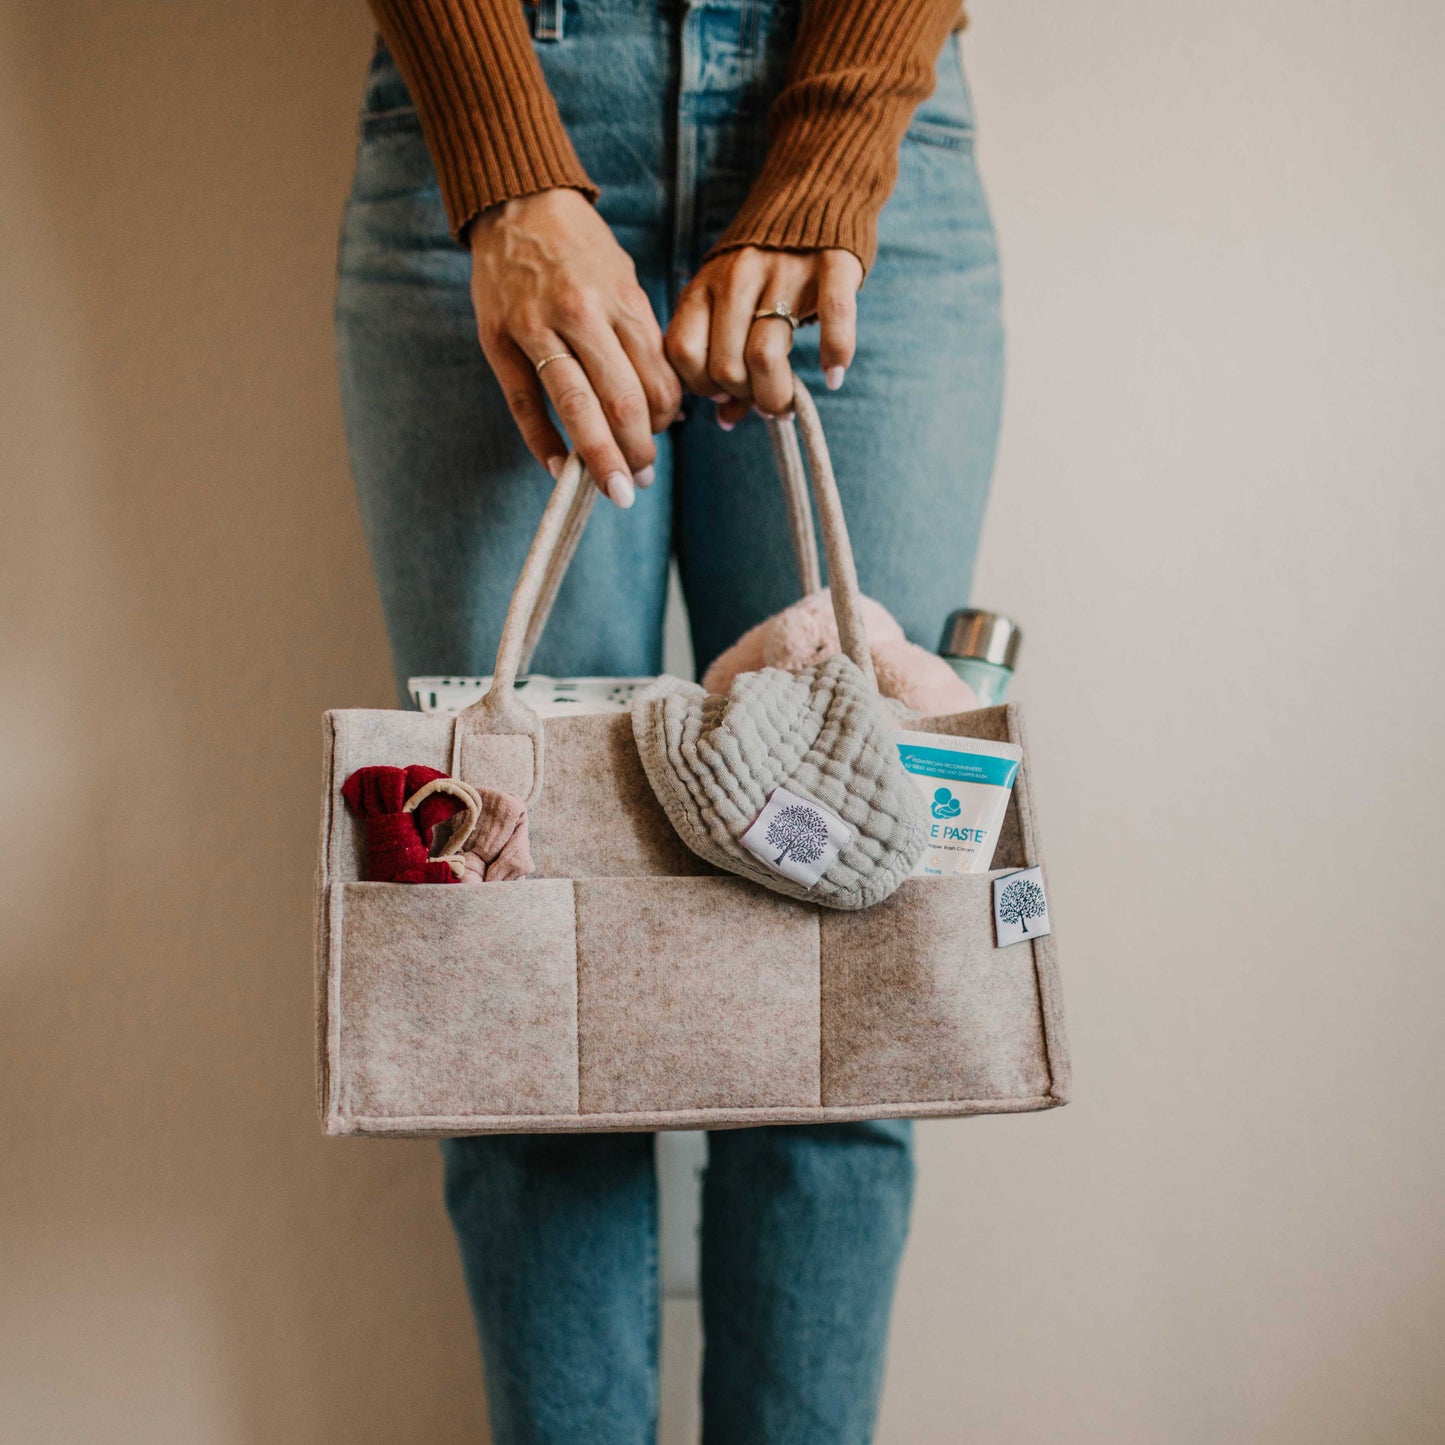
[(555, 465), (645, 477), (726, 425), (767, 415), (833, 377), (619, 490), (720, 397)]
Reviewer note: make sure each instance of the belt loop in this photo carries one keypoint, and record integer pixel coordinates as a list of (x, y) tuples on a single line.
[(547, 20)]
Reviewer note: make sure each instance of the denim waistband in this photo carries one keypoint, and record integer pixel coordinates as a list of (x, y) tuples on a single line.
[(549, 18), (550, 21)]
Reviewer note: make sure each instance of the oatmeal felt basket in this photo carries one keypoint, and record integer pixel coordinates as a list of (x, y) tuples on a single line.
[(630, 984)]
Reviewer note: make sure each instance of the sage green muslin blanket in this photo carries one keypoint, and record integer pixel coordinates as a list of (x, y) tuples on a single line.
[(823, 734)]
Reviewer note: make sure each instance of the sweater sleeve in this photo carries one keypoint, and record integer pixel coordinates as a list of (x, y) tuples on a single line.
[(858, 71), (490, 122)]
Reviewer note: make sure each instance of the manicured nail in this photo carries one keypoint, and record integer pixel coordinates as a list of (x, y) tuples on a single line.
[(833, 377), (619, 490), (726, 425), (645, 477), (555, 465)]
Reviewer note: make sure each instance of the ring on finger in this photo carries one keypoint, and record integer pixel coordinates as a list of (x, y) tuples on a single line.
[(779, 310), (546, 361)]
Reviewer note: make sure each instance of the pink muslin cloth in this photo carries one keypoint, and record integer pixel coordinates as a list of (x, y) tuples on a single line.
[(498, 850)]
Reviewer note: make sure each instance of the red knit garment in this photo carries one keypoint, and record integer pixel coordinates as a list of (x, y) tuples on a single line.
[(397, 841), (433, 810)]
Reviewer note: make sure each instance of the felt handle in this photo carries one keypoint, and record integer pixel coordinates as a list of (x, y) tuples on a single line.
[(789, 459), (501, 710), (572, 529), (842, 571)]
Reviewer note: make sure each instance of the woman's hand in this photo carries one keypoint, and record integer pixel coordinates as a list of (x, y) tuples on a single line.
[(719, 350), (549, 277)]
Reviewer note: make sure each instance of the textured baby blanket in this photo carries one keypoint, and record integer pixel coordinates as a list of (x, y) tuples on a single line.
[(822, 735)]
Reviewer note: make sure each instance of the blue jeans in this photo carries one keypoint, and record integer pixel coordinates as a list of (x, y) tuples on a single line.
[(666, 102)]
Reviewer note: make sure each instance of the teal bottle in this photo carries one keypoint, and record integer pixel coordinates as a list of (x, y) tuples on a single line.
[(983, 649)]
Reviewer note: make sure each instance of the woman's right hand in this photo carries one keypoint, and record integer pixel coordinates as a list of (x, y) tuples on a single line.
[(548, 276)]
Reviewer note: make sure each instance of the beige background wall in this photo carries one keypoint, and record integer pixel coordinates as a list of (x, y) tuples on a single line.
[(1219, 513)]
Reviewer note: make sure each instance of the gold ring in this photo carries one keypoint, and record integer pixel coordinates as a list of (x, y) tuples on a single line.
[(546, 361), (781, 310)]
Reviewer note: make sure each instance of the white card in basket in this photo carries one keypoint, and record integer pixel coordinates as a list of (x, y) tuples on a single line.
[(548, 696)]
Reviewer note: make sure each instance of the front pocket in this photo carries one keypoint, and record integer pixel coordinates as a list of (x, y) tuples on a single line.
[(931, 133), (695, 993), (404, 120), (455, 1001), (919, 1005), (945, 118)]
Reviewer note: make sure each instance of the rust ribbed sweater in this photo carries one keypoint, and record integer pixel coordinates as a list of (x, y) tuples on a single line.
[(858, 71)]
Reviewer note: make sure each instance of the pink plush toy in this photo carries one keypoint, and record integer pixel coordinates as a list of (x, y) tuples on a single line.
[(807, 632)]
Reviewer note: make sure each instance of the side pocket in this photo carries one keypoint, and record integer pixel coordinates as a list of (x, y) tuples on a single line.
[(919, 1006), (375, 124), (948, 137), (386, 104), (946, 118), (454, 1003)]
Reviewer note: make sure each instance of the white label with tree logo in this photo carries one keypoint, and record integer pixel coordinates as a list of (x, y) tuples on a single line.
[(1020, 909), (796, 837)]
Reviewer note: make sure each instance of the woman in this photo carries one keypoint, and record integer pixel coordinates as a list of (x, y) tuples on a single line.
[(627, 202)]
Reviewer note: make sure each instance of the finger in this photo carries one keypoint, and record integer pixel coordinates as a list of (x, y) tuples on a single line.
[(579, 411), (733, 305), (618, 389), (687, 335), (523, 391), (770, 339), (839, 275), (731, 412), (641, 339)]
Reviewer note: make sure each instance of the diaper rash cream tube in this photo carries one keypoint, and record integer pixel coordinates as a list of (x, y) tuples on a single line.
[(966, 784)]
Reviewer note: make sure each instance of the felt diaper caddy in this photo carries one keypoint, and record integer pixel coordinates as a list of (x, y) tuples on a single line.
[(626, 955)]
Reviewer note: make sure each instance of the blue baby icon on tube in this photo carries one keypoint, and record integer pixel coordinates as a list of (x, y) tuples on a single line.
[(945, 805), (966, 783)]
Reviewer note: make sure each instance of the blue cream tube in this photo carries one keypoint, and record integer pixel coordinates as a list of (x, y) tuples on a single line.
[(965, 783)]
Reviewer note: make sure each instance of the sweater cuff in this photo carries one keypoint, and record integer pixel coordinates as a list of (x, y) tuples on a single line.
[(801, 202), (858, 73), (490, 122)]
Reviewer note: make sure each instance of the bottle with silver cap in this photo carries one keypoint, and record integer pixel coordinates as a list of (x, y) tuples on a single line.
[(983, 649)]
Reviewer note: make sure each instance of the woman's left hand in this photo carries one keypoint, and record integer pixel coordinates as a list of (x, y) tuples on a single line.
[(720, 350)]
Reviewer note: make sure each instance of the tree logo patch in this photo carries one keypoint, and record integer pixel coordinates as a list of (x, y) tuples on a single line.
[(796, 837), (1020, 907)]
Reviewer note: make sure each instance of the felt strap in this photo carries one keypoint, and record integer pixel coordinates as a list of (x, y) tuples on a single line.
[(501, 710), (572, 530), (842, 571), (789, 460)]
